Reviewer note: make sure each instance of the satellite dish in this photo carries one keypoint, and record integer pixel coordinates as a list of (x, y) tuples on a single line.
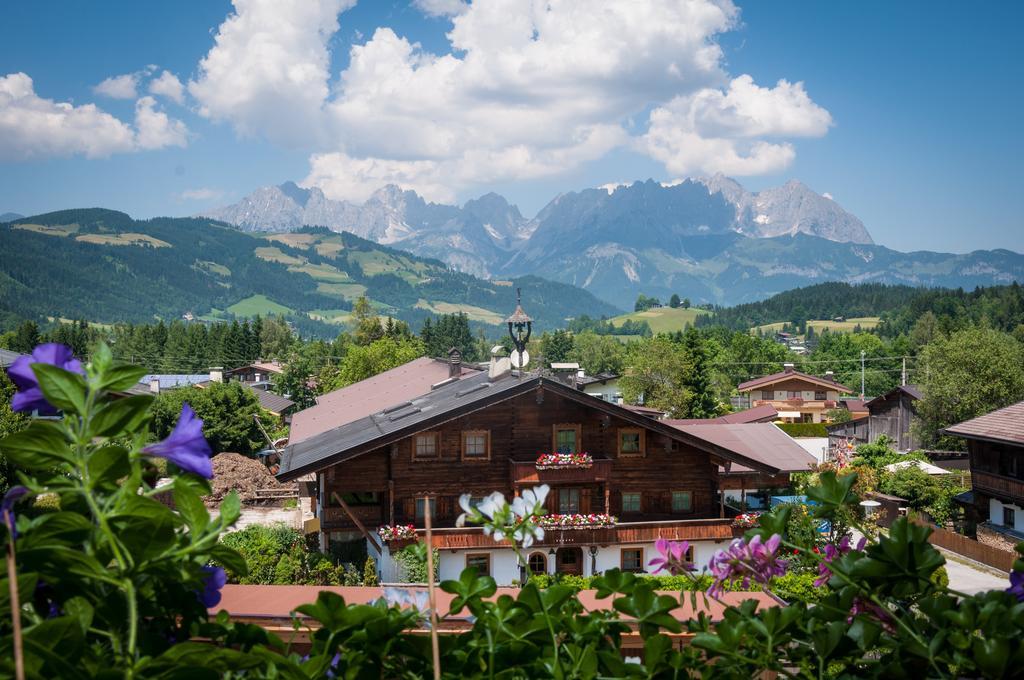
[(519, 359)]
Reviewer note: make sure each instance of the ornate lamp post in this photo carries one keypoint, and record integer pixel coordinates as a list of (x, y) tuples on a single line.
[(517, 324)]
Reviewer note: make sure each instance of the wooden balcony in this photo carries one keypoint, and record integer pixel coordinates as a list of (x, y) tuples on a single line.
[(625, 532), (370, 515), (998, 484), (527, 474)]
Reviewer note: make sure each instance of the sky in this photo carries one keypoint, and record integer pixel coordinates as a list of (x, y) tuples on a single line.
[(907, 114)]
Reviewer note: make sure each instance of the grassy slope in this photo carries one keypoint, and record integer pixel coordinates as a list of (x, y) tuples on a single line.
[(865, 322), (663, 319)]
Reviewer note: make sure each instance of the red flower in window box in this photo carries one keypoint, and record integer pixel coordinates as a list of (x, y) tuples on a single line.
[(576, 521), (399, 532), (555, 461)]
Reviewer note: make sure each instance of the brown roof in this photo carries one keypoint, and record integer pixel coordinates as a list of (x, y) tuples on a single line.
[(1004, 425), (366, 397), (644, 410), (858, 405), (790, 374), (765, 413), (914, 391), (269, 603), (763, 442)]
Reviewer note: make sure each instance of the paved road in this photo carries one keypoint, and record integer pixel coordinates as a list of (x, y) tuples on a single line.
[(971, 577)]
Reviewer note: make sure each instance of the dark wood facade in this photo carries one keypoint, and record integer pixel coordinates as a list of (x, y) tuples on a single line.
[(384, 486), (894, 415)]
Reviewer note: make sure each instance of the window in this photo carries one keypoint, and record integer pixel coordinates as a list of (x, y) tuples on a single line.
[(794, 394), (481, 561), (1009, 517), (360, 498), (420, 507), (631, 502), (632, 559), (476, 444), (538, 563), (631, 441), (425, 445), (820, 395), (566, 438), (568, 501), (682, 501)]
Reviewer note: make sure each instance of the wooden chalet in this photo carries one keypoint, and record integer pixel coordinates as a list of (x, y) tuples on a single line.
[(797, 397), (483, 432)]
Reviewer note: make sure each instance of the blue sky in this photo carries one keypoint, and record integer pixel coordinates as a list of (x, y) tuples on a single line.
[(908, 114)]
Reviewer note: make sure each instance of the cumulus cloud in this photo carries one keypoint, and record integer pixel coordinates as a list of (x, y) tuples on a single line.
[(168, 85), (529, 89), (119, 87), (441, 8), (34, 127)]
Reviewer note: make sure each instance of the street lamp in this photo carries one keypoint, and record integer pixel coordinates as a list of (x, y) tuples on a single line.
[(520, 325)]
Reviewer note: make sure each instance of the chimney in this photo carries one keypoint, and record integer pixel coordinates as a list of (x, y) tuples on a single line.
[(454, 363), (217, 374), (830, 376), (500, 365), (565, 373), (154, 385), (788, 368)]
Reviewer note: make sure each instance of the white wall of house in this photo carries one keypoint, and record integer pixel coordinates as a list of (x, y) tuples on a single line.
[(608, 391), (995, 515)]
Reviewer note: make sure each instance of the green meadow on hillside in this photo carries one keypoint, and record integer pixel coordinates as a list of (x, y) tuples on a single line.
[(663, 319), (866, 323)]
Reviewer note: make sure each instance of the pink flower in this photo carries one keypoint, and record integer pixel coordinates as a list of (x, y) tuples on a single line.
[(673, 557), (831, 553), (756, 561)]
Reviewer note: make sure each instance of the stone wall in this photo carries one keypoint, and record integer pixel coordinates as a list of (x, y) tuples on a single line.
[(988, 535)]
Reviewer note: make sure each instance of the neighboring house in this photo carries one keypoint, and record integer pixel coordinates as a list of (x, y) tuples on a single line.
[(798, 397), (269, 401), (258, 372), (894, 414), (995, 442), (603, 386), (7, 358), (765, 413), (158, 382), (858, 408), (482, 433)]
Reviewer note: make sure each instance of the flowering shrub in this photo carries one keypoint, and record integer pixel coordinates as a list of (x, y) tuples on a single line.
[(577, 521), (554, 461), (115, 584), (747, 520), (398, 532)]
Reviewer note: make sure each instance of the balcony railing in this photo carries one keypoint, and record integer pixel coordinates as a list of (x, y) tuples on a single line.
[(626, 532), (1006, 486), (526, 473)]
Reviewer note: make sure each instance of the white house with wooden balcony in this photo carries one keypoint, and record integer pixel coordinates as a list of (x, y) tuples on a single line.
[(798, 397)]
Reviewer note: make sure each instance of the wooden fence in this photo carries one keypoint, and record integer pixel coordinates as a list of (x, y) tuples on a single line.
[(972, 549)]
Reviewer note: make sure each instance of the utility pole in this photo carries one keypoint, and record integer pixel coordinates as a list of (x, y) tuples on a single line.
[(903, 375), (862, 353)]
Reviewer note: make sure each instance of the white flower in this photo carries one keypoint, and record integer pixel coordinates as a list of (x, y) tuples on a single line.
[(491, 504), (461, 521), (499, 535), (464, 503), (519, 506), (538, 533), (537, 495)]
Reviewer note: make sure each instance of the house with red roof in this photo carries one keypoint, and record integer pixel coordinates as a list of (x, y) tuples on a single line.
[(797, 397)]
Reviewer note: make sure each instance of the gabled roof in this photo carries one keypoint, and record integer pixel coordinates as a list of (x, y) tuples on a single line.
[(169, 381), (274, 403), (858, 405), (790, 374), (762, 442), (456, 399), (1004, 425), (765, 413), (912, 391), (599, 378), (265, 366), (365, 397)]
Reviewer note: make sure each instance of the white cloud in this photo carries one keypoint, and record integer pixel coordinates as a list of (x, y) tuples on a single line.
[(530, 89), (267, 72), (168, 85), (119, 87), (713, 130), (201, 194), (33, 127), (441, 8)]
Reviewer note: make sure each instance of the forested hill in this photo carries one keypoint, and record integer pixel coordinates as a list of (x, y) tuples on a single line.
[(104, 266), (821, 301), (899, 307)]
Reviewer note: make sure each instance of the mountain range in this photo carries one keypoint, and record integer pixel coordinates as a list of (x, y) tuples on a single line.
[(708, 239)]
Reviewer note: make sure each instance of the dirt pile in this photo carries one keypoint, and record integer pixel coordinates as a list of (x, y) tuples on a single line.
[(235, 472)]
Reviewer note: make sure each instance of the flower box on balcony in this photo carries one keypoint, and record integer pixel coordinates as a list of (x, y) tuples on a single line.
[(398, 533), (747, 520), (577, 521), (558, 461)]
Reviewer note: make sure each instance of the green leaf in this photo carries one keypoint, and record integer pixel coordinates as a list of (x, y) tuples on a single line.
[(190, 506), (120, 416), (832, 492), (121, 377), (42, 446), (230, 559), (469, 589), (108, 464), (79, 608), (230, 509), (63, 389)]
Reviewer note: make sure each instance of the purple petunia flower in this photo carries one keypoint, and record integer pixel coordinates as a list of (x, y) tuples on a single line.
[(212, 583), (334, 665), (29, 396), (186, 447), (672, 557), (831, 553), (754, 561), (1016, 585), (12, 496)]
